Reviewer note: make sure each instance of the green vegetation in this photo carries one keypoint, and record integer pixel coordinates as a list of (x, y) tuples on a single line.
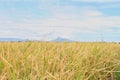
[(59, 61)]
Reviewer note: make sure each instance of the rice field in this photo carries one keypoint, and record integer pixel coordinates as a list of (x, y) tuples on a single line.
[(59, 61)]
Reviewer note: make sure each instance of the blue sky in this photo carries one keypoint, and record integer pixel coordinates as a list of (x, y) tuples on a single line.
[(79, 20)]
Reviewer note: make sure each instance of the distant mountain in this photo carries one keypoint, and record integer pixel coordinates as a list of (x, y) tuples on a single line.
[(13, 39), (60, 39)]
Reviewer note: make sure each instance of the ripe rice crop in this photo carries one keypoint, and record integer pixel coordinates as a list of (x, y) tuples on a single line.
[(59, 61)]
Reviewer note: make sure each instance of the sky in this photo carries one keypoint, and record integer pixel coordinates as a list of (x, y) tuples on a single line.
[(78, 20)]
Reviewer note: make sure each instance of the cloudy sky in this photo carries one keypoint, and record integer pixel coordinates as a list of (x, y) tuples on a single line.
[(79, 20)]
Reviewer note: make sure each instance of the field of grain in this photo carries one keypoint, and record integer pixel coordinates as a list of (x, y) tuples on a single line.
[(59, 61)]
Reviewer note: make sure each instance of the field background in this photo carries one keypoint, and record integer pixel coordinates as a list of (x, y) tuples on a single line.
[(59, 61)]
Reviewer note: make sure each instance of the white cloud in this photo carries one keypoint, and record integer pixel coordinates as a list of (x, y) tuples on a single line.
[(61, 21)]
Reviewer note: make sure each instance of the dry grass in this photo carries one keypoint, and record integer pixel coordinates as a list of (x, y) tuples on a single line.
[(59, 61)]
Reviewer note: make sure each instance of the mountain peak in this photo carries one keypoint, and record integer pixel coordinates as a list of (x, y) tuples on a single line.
[(60, 39)]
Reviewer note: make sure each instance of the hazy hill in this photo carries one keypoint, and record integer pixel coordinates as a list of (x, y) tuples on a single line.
[(12, 39), (60, 39)]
